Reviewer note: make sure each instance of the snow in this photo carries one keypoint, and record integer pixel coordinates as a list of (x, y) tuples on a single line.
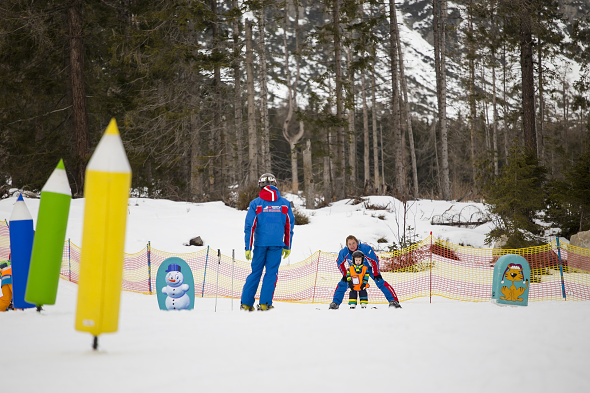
[(443, 346)]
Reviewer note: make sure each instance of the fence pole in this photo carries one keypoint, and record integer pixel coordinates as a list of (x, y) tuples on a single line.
[(561, 269), (316, 277), (430, 267), (149, 260), (205, 274), (217, 284), (69, 260), (233, 260)]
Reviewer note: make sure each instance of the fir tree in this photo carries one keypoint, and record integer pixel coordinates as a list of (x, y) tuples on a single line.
[(517, 198)]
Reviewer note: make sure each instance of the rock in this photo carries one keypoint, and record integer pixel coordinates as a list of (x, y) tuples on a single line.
[(196, 241), (581, 239)]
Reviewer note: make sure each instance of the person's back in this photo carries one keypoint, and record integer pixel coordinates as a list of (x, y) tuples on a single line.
[(268, 235)]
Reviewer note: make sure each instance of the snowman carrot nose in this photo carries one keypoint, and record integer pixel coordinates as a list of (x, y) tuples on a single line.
[(173, 280)]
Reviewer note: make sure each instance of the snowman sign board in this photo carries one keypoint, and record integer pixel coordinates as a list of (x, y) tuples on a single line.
[(175, 285)]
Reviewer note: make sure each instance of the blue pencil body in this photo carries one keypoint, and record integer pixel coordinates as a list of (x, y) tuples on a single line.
[(21, 245)]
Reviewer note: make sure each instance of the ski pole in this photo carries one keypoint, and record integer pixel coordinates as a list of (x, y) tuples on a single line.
[(217, 284), (233, 260)]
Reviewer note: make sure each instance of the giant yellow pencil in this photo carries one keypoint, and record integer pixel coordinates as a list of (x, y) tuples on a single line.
[(106, 190)]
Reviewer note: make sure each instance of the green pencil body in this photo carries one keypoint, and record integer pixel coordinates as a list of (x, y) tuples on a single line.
[(48, 245)]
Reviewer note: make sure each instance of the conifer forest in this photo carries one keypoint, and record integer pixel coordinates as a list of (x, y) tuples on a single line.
[(470, 99)]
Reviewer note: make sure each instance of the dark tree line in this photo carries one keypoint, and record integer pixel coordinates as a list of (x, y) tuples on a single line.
[(209, 94)]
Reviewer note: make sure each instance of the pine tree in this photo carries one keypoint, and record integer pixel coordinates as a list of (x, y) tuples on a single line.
[(516, 198)]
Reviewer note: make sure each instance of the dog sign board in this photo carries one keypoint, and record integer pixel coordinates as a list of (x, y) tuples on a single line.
[(512, 276)]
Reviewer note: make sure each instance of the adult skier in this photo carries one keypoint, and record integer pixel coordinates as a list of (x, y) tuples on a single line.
[(268, 235), (371, 262)]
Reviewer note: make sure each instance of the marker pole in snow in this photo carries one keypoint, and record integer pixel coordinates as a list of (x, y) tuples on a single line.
[(217, 284), (95, 343), (561, 269), (233, 261), (205, 273)]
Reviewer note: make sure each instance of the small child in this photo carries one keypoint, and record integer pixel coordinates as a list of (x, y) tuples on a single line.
[(6, 285), (357, 278)]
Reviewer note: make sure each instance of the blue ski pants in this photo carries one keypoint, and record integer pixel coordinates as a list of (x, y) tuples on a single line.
[(381, 284), (262, 257)]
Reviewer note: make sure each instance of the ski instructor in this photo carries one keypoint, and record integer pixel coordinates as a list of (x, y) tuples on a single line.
[(269, 228), (372, 264)]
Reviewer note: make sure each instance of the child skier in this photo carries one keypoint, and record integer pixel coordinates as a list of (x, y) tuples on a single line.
[(6, 285), (357, 278)]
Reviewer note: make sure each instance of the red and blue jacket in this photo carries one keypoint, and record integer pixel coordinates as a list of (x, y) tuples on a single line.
[(345, 257), (269, 221)]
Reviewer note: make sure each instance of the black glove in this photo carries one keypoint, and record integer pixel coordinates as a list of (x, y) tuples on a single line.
[(378, 277), (351, 285), (363, 286), (344, 279)]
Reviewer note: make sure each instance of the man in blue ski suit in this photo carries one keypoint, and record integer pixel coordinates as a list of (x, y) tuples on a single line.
[(371, 262), (269, 229)]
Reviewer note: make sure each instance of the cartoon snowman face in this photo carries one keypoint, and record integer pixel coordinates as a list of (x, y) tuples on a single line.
[(174, 279)]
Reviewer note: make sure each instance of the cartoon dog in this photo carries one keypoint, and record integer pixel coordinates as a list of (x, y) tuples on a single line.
[(513, 273)]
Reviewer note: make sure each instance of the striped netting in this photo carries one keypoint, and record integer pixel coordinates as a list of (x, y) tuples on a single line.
[(432, 267)]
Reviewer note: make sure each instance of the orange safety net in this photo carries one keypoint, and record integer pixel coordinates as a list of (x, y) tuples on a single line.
[(432, 267)]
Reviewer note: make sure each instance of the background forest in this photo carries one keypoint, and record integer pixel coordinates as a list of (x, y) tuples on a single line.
[(479, 99)]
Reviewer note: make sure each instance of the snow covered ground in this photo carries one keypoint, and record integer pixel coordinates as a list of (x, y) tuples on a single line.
[(443, 346)]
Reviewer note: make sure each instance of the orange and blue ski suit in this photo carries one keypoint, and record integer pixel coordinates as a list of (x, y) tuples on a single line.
[(357, 277), (6, 284)]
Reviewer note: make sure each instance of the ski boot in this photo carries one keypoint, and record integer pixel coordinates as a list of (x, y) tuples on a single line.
[(363, 305), (352, 306), (334, 306), (246, 308), (394, 303), (265, 307)]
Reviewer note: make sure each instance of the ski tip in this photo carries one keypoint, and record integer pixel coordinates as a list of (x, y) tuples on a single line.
[(60, 165)]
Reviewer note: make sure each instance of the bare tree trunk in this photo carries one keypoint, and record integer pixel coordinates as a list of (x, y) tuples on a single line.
[(217, 141), (408, 117), (399, 175), (340, 166), (376, 171), (252, 140), (366, 142), (540, 144), (196, 173), (238, 117), (495, 118), (264, 122), (308, 176), (472, 106), (565, 110), (527, 72), (292, 100), (80, 119), (440, 12), (351, 121), (506, 137)]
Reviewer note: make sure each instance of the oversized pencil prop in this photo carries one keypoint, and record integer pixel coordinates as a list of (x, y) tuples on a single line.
[(50, 236), (106, 189), (21, 244)]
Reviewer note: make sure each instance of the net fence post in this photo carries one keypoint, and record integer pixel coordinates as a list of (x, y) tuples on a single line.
[(430, 267), (205, 273), (315, 284), (561, 269), (149, 263)]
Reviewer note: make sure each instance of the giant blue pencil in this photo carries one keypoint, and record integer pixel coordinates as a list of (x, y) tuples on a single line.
[(21, 245)]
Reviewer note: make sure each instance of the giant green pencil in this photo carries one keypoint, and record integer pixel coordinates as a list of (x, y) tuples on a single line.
[(50, 234)]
